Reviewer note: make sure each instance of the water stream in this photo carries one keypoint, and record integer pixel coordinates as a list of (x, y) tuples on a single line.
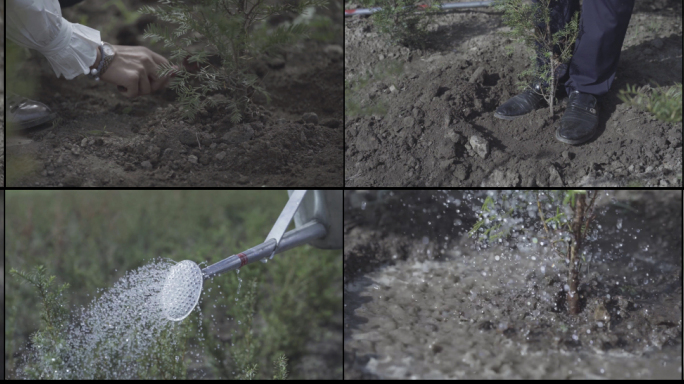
[(436, 305)]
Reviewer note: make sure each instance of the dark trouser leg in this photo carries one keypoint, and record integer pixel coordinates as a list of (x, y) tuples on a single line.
[(561, 13), (597, 51)]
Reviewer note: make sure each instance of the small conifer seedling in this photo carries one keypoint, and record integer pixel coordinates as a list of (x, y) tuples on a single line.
[(233, 30), (525, 21)]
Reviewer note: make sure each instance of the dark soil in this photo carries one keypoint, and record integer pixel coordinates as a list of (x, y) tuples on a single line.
[(103, 139), (415, 128), (422, 301)]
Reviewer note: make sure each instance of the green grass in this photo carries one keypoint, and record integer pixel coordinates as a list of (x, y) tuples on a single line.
[(89, 239)]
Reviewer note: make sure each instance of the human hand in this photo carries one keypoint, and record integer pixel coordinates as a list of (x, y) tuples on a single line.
[(134, 71)]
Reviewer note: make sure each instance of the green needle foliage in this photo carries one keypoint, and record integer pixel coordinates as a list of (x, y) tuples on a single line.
[(565, 216), (229, 29), (402, 21), (524, 18), (665, 104)]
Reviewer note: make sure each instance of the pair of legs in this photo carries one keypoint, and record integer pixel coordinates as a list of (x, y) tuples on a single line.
[(591, 70), (603, 25)]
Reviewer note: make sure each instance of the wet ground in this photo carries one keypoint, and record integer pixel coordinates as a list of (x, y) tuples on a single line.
[(412, 114), (421, 301)]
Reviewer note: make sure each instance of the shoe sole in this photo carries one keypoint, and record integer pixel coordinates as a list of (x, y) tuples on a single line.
[(34, 123), (574, 142), (504, 117)]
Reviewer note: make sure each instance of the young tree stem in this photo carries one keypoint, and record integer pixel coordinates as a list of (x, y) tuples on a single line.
[(574, 255)]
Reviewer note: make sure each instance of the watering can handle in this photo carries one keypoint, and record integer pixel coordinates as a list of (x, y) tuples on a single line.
[(285, 218), (325, 207)]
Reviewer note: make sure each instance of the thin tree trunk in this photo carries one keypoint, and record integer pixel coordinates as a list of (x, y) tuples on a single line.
[(575, 255), (553, 72)]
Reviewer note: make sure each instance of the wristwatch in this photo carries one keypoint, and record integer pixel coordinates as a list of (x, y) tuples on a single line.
[(107, 54)]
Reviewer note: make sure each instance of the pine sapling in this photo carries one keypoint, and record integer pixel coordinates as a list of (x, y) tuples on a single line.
[(525, 20), (236, 32), (565, 231)]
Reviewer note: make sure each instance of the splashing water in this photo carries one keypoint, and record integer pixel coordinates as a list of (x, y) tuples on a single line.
[(118, 334)]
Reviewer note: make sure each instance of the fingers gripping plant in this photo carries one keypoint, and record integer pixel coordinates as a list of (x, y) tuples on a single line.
[(525, 21), (564, 232), (232, 29)]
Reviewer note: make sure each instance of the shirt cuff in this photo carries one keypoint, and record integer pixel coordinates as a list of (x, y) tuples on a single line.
[(73, 51)]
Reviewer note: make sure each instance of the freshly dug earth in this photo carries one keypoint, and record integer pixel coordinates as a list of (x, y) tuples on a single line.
[(418, 113), (103, 139), (421, 302)]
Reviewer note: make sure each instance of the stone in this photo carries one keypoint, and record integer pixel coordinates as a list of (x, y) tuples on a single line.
[(335, 51), (220, 156), (392, 88), (239, 134), (276, 63), (461, 172), (478, 76), (188, 138), (84, 142), (192, 159), (555, 179), (480, 145), (499, 178), (454, 136), (657, 43), (146, 164), (331, 123), (310, 117)]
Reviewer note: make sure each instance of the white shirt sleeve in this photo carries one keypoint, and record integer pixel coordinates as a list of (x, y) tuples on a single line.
[(38, 24)]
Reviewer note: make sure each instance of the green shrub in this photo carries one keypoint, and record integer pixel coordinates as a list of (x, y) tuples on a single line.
[(226, 28), (665, 104), (524, 19), (90, 238)]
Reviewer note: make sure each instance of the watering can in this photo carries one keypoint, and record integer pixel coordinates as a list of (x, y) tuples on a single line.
[(318, 221)]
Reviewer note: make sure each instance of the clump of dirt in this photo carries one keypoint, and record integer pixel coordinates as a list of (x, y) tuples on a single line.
[(433, 123), (102, 139), (422, 304)]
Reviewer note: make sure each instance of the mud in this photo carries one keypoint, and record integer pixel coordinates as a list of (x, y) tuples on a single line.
[(103, 139), (417, 112), (418, 305)]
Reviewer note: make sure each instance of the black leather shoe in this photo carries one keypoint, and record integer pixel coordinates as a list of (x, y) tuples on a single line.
[(580, 121), (25, 113), (521, 104)]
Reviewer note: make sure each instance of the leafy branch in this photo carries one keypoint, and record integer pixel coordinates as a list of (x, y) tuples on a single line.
[(227, 29), (665, 104), (565, 231), (530, 23)]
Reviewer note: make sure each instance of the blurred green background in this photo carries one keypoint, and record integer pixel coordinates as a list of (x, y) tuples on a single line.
[(89, 239)]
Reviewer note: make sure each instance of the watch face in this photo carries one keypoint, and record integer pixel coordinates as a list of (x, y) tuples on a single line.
[(108, 50)]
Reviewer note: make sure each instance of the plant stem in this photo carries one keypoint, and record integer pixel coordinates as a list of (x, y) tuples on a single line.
[(574, 255), (553, 70)]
